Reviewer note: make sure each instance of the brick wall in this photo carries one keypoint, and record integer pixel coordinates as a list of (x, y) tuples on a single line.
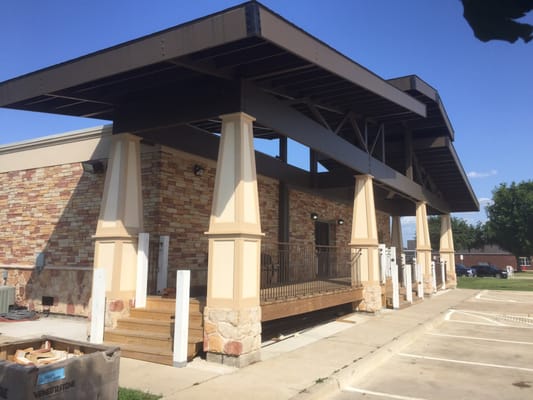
[(186, 206), (498, 260), (302, 227), (55, 210)]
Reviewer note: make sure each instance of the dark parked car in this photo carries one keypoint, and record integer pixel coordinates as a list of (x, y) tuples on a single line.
[(489, 270), (461, 270)]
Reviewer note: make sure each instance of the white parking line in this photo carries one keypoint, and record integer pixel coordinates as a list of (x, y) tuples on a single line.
[(479, 315), (380, 394), (465, 362), (483, 296), (491, 318), (480, 338)]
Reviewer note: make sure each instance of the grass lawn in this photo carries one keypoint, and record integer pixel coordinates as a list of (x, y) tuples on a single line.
[(132, 394), (515, 283)]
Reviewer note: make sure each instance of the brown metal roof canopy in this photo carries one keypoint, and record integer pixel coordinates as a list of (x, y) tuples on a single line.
[(243, 58)]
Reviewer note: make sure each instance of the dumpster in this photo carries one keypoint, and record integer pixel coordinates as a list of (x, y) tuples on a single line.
[(85, 370)]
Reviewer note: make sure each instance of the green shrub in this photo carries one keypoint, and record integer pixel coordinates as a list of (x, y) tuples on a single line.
[(132, 394)]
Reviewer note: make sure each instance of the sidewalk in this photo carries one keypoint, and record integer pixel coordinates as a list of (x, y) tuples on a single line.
[(308, 365)]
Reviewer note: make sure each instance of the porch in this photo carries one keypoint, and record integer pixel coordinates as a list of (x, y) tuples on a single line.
[(207, 102), (297, 278)]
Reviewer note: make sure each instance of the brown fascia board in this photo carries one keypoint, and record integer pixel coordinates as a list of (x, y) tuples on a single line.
[(413, 82), (461, 171), (210, 31), (285, 34), (239, 22)]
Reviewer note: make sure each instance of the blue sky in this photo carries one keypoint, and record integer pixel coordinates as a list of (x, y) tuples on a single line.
[(487, 88)]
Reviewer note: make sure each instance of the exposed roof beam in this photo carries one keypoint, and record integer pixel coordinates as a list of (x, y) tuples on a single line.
[(287, 121), (279, 31)]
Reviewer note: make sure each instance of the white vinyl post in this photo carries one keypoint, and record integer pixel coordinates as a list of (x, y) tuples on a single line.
[(419, 280), (382, 263), (408, 283), (395, 280), (443, 273), (162, 263), (181, 322), (98, 306), (143, 248), (434, 276)]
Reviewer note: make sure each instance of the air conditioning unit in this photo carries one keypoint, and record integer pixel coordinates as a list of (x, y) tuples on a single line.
[(7, 298)]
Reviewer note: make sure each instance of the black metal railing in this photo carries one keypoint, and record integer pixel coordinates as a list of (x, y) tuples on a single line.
[(301, 269)]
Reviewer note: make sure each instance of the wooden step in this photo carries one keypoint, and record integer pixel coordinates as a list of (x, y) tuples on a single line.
[(197, 304), (150, 354), (144, 353), (156, 303), (126, 336), (147, 334), (146, 325), (143, 313)]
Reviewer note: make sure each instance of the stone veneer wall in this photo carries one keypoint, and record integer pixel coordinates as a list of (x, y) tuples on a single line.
[(302, 228), (54, 211), (186, 208)]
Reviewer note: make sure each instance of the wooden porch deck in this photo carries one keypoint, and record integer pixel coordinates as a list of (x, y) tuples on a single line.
[(328, 293)]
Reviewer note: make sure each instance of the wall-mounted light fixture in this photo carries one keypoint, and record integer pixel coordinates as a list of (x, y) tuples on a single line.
[(94, 166), (340, 221), (198, 170), (314, 216), (40, 261)]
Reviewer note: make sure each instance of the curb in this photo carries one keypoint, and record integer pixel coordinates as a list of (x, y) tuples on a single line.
[(357, 370)]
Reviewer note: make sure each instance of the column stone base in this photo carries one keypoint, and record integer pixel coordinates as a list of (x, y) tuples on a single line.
[(232, 337), (451, 285), (234, 361), (116, 309), (429, 290), (371, 298)]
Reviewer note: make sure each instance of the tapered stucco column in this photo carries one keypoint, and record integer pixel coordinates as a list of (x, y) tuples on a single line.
[(423, 247), (364, 240), (119, 223), (396, 235), (447, 251), (232, 316)]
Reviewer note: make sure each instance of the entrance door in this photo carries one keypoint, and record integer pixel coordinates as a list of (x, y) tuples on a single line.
[(322, 243)]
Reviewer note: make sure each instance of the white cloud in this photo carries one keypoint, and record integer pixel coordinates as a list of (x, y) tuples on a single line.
[(484, 201), (474, 174)]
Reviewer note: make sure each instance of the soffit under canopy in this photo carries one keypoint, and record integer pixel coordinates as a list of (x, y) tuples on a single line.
[(210, 58)]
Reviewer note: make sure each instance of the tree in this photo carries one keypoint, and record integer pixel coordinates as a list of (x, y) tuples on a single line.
[(465, 235), (510, 221), (496, 19)]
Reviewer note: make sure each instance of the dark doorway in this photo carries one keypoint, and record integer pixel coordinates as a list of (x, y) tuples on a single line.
[(322, 247)]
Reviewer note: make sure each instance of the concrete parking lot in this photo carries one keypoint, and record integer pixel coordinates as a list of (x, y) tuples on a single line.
[(482, 350)]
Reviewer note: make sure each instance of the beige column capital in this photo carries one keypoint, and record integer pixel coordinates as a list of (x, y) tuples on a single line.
[(121, 210), (396, 234), (422, 228), (237, 116), (446, 234), (364, 225)]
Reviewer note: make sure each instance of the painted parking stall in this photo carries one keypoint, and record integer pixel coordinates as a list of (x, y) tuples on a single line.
[(483, 349)]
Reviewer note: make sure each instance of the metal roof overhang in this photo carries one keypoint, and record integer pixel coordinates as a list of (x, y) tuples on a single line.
[(434, 148), (243, 58)]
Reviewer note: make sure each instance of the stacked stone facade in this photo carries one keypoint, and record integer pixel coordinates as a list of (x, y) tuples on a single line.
[(54, 210)]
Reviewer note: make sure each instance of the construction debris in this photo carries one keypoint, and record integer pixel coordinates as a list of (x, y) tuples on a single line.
[(42, 356)]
